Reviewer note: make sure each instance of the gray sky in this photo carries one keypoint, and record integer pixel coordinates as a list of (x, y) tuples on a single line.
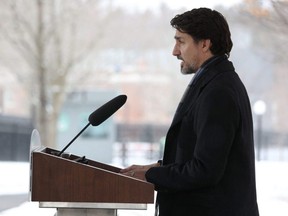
[(175, 4)]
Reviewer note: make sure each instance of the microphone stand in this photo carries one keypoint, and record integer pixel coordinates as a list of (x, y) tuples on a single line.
[(61, 152)]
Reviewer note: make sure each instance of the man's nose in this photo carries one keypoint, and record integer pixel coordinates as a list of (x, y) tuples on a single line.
[(176, 51)]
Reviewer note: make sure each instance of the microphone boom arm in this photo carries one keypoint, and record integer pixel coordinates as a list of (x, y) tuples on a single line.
[(61, 152)]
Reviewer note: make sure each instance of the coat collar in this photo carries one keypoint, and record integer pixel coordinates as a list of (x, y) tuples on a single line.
[(211, 68)]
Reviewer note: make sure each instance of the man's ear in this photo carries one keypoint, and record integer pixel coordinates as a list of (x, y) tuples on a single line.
[(206, 44)]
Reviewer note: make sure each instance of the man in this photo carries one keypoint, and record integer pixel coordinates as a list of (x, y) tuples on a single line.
[(208, 168)]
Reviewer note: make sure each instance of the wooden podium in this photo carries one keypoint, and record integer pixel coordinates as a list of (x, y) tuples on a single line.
[(86, 187)]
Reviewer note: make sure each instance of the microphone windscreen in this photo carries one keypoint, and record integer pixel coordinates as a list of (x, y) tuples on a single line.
[(106, 110)]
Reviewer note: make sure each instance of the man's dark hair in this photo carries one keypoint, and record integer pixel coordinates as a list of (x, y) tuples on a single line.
[(204, 23)]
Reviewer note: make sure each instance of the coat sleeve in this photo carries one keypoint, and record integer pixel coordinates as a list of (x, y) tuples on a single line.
[(215, 122)]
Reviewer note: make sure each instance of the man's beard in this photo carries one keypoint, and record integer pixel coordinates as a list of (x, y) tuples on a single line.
[(188, 70)]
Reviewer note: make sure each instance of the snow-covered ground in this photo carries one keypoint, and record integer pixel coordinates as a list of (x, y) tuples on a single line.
[(272, 189)]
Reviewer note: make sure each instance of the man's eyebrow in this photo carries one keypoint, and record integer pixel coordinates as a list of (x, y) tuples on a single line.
[(177, 37)]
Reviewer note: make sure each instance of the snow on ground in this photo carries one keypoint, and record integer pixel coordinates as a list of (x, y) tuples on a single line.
[(272, 189)]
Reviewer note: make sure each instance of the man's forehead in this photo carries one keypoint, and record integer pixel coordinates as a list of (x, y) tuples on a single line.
[(181, 35)]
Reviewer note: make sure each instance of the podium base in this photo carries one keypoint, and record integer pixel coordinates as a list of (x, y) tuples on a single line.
[(90, 209), (86, 212)]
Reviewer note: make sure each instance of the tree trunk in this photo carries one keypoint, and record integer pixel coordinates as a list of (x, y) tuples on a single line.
[(42, 114)]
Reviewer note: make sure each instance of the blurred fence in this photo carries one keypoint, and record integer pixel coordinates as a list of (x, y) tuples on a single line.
[(139, 142), (15, 135), (141, 132), (131, 140), (148, 140), (271, 146)]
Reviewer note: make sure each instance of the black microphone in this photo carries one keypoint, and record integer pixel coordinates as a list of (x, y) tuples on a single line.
[(100, 115), (105, 111)]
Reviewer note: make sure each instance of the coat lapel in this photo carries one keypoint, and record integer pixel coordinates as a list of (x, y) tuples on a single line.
[(195, 90), (189, 101)]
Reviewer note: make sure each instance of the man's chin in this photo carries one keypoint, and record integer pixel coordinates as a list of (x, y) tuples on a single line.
[(186, 71)]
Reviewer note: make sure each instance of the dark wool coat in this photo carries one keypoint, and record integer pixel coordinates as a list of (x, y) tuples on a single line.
[(208, 165)]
